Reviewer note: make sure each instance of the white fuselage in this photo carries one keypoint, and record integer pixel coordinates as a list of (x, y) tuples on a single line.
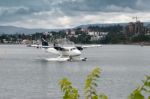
[(69, 51)]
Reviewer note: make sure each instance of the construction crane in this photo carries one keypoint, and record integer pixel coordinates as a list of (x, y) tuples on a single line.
[(136, 18)]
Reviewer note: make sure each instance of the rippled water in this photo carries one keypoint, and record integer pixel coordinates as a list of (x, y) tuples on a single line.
[(25, 75)]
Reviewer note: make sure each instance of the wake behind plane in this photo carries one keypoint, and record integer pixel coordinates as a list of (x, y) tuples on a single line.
[(69, 53)]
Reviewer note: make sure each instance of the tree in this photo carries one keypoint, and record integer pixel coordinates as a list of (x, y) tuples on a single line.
[(140, 38)]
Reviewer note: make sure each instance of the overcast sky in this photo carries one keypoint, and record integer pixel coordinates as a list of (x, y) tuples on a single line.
[(70, 13)]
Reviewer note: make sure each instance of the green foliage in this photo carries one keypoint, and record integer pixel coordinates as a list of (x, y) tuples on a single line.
[(145, 88), (69, 91), (136, 94), (140, 38), (111, 28), (82, 38), (90, 87), (90, 84), (114, 38), (103, 96)]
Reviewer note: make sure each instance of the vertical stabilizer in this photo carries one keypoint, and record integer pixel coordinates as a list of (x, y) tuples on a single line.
[(44, 40)]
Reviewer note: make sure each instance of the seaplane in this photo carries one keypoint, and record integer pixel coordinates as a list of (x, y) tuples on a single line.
[(68, 53)]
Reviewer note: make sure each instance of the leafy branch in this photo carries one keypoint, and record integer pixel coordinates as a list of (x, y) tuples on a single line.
[(69, 91), (145, 88), (91, 84), (90, 87)]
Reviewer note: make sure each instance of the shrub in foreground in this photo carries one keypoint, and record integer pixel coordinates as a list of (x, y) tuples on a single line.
[(90, 88)]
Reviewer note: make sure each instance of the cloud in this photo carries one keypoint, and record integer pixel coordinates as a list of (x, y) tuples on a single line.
[(69, 13), (143, 5)]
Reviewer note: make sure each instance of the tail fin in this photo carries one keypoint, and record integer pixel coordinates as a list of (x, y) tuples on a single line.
[(44, 41)]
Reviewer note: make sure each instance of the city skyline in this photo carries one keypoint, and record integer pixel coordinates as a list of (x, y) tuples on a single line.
[(70, 13)]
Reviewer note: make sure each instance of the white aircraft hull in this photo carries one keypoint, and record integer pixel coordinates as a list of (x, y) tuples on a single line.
[(57, 59), (65, 59)]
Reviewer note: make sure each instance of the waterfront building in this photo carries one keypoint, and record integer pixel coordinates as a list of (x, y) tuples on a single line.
[(134, 28)]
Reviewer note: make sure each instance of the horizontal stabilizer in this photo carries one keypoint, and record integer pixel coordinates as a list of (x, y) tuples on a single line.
[(39, 46)]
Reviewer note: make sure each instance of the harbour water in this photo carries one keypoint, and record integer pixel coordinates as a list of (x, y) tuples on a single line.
[(24, 74)]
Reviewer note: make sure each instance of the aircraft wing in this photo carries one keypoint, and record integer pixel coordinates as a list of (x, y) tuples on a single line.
[(41, 46), (87, 46)]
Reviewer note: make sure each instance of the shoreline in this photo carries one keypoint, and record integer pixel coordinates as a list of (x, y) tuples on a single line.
[(135, 43)]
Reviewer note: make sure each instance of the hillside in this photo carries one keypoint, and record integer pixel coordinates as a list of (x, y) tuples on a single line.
[(13, 30)]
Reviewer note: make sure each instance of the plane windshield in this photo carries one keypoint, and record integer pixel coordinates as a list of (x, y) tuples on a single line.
[(73, 49)]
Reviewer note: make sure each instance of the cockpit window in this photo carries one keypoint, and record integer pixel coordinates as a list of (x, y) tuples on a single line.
[(73, 49)]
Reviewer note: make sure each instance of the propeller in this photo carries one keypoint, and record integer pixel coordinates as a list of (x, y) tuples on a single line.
[(79, 48)]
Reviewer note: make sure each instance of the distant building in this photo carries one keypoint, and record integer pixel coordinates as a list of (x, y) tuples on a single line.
[(96, 35), (70, 32), (84, 30), (93, 33), (25, 41), (131, 28), (5, 41), (139, 27), (134, 28), (147, 30)]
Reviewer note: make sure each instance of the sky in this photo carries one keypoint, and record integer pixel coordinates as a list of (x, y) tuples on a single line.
[(54, 14)]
